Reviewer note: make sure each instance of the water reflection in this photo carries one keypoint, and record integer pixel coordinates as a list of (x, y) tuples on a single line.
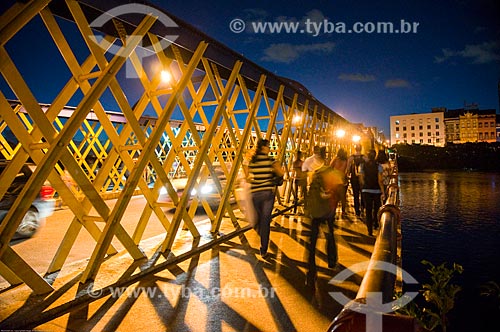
[(453, 217), (440, 199)]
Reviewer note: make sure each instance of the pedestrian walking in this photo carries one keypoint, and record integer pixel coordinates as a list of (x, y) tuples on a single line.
[(299, 181), (386, 168), (313, 163), (321, 204), (354, 164), (339, 165), (372, 189), (262, 170)]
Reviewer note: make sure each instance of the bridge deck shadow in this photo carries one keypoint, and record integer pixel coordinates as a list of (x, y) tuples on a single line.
[(227, 288)]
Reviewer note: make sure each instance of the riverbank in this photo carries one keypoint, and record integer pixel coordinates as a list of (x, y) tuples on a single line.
[(467, 156)]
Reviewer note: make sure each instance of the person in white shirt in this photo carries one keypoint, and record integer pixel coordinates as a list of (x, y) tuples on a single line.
[(313, 163)]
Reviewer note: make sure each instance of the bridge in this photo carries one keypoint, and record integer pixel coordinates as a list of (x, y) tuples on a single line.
[(126, 137)]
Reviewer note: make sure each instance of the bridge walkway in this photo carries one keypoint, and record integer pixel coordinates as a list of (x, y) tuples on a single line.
[(229, 287)]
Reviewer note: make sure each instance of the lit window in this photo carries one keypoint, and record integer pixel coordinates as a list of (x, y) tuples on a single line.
[(397, 135), (397, 122)]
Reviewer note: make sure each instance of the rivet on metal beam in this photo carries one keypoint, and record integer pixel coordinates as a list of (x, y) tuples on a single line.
[(39, 146), (92, 218), (89, 76), (162, 92), (130, 147)]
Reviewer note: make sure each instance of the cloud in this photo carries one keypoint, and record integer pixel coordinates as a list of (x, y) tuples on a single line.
[(255, 13), (286, 53), (397, 83), (314, 15), (357, 77), (479, 53)]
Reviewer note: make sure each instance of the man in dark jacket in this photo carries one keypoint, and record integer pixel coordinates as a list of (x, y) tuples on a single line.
[(372, 185)]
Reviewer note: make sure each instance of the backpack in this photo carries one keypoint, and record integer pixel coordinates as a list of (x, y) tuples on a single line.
[(318, 201)]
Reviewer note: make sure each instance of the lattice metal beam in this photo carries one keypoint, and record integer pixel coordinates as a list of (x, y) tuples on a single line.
[(210, 115)]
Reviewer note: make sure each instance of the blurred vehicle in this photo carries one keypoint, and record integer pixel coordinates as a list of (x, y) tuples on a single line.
[(205, 190), (41, 207)]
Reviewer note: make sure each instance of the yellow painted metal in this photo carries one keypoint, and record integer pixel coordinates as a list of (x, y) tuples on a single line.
[(204, 148), (244, 138), (142, 153), (25, 272), (14, 20), (135, 176), (9, 275)]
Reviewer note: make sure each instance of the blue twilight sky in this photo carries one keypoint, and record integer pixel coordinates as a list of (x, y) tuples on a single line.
[(452, 58)]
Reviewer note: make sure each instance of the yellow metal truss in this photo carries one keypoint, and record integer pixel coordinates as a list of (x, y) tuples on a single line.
[(139, 154)]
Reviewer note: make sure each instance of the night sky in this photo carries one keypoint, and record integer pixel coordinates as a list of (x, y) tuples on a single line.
[(452, 59)]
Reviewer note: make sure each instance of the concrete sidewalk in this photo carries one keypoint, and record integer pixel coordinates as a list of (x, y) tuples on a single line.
[(226, 288)]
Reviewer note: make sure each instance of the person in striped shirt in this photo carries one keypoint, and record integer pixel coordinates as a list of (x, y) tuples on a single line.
[(262, 170)]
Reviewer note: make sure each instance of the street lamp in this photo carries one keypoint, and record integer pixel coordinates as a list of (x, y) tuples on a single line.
[(296, 120), (165, 76), (340, 133)]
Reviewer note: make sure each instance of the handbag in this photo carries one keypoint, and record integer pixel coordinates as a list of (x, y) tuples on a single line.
[(278, 180)]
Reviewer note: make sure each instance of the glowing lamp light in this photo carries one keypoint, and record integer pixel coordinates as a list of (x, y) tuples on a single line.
[(297, 119), (340, 133), (165, 76), (356, 138)]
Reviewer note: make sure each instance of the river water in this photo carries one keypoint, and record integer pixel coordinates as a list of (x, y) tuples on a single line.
[(455, 217)]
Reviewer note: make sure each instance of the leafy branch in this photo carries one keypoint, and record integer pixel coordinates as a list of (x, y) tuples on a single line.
[(440, 294)]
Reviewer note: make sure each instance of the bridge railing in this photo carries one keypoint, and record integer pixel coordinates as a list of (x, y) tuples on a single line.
[(383, 276)]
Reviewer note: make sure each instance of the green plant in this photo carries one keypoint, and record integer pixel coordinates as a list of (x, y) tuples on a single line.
[(491, 290), (440, 294)]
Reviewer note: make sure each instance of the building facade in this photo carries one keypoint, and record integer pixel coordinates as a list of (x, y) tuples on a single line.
[(470, 125), (423, 128), (443, 126)]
